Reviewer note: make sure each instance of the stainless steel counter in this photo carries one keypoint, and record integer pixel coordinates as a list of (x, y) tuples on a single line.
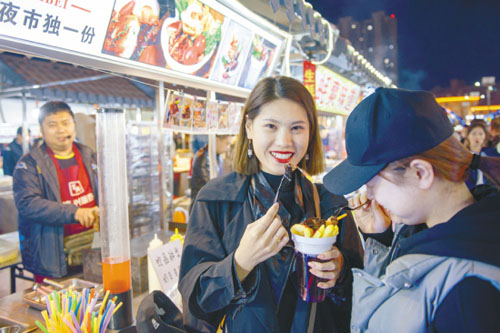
[(8, 212), (14, 311)]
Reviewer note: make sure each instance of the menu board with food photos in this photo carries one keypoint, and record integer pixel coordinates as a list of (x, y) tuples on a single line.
[(192, 114), (200, 38), (204, 39)]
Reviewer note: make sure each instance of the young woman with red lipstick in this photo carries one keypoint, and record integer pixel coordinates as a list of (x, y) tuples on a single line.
[(238, 260)]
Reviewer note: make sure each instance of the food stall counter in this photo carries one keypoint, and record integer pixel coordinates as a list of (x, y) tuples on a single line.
[(13, 311)]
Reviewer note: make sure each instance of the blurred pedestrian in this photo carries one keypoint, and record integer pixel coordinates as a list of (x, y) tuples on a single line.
[(476, 141), (445, 278), (201, 164), (494, 141), (12, 153), (198, 141), (477, 137)]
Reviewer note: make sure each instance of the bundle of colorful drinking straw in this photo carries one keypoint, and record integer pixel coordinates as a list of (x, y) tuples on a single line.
[(77, 312)]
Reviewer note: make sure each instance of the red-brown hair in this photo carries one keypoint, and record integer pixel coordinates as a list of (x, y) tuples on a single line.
[(451, 161)]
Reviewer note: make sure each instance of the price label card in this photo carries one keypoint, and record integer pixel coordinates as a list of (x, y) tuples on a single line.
[(166, 261)]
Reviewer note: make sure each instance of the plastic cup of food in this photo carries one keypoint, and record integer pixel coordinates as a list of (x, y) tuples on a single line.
[(307, 250)]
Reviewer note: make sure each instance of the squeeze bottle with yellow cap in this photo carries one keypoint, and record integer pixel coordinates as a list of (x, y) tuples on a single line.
[(177, 236), (153, 282)]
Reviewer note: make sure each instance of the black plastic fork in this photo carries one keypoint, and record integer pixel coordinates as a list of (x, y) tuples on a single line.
[(346, 207), (288, 176)]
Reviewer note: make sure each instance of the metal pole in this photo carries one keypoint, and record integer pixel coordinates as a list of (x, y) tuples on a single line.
[(212, 156), (2, 117), (212, 153), (488, 97), (160, 101), (26, 135), (138, 114)]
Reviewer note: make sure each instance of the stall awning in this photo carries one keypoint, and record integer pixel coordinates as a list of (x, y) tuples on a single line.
[(19, 70)]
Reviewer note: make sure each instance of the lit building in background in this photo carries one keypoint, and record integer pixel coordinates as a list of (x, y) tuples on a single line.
[(376, 39), (469, 101)]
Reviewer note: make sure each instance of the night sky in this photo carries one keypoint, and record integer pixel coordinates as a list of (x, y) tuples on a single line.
[(438, 39)]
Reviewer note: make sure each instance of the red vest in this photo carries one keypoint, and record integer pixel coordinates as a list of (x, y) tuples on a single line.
[(74, 184)]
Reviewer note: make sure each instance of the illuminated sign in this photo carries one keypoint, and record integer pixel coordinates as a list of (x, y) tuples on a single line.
[(335, 93)]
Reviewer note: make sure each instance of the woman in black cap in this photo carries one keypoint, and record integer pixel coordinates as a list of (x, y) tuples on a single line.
[(237, 261), (445, 278)]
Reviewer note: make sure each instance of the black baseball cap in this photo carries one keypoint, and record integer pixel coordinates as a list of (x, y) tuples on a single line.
[(157, 313), (386, 126)]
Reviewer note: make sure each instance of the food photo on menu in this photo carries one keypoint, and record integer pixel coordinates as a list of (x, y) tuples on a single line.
[(234, 116), (258, 61), (212, 113), (134, 27), (234, 48), (181, 35), (186, 115), (172, 116), (199, 114), (223, 116)]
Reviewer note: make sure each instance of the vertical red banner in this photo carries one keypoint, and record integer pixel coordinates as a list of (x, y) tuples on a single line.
[(310, 77)]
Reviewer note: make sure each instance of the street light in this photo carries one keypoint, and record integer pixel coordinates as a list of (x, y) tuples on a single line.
[(488, 96), (488, 82)]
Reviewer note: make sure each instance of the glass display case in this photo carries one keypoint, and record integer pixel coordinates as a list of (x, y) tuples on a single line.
[(143, 178)]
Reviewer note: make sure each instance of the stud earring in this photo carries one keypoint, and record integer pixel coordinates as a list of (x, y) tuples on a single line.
[(250, 150), (307, 157)]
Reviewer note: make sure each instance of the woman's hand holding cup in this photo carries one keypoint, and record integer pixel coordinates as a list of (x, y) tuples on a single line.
[(328, 270)]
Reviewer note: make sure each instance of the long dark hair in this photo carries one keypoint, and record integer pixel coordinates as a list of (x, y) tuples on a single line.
[(266, 91)]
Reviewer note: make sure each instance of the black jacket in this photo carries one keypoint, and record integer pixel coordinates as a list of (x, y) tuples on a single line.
[(201, 173), (11, 154), (208, 282)]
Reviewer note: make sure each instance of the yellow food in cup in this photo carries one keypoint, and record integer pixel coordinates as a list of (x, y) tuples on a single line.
[(326, 228)]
